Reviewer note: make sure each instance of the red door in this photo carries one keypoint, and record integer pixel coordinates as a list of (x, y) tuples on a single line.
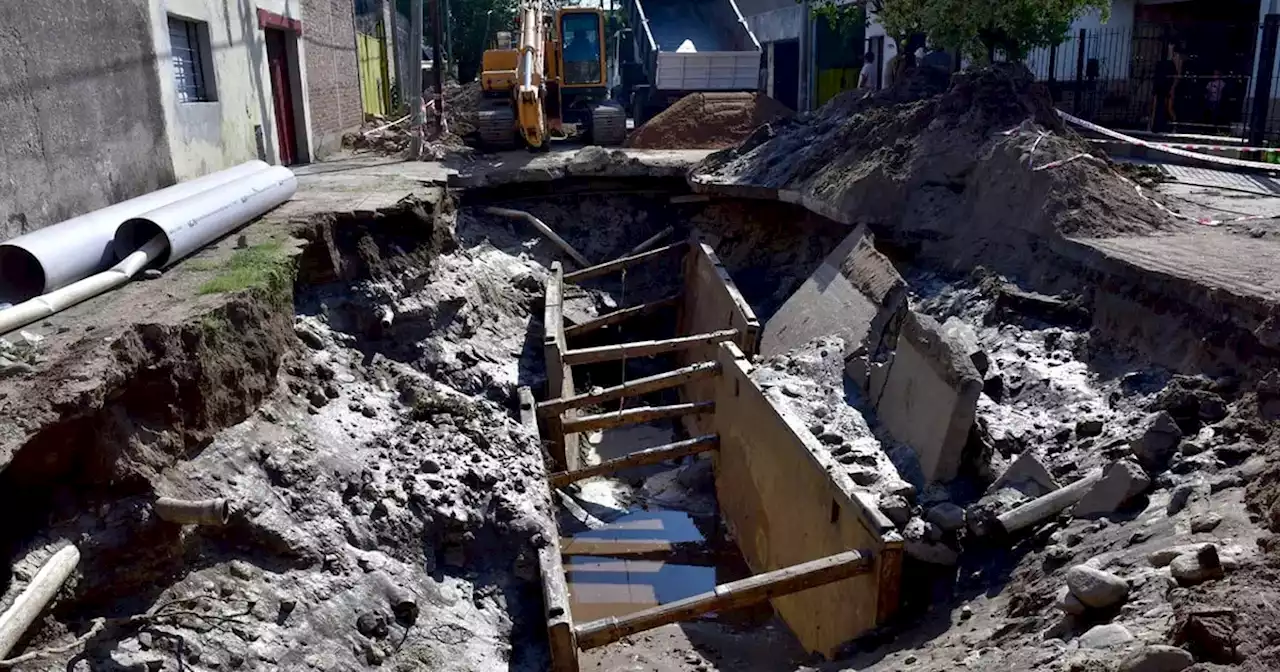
[(282, 94)]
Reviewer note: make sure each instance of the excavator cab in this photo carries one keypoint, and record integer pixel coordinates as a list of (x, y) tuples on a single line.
[(583, 91)]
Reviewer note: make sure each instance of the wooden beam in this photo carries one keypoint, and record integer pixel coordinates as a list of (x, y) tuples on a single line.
[(561, 638), (621, 316), (635, 416), (613, 353), (728, 596), (559, 376), (674, 552), (633, 388), (655, 455), (620, 263)]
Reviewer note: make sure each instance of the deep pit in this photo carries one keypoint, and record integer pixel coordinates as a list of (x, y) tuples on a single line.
[(388, 504)]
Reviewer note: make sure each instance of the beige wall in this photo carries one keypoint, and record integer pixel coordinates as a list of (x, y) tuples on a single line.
[(210, 136), (786, 503), (710, 302)]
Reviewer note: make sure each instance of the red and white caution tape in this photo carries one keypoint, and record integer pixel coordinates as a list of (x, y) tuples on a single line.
[(1161, 147), (1179, 145)]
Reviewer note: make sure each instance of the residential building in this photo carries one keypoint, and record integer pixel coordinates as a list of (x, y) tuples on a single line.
[(102, 101), (807, 60)]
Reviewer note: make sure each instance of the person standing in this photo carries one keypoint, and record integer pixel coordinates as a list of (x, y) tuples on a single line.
[(864, 75), (1213, 98), (1168, 70)]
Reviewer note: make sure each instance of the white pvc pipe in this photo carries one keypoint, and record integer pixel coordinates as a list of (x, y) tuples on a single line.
[(190, 224), (55, 256), (37, 595), (36, 309)]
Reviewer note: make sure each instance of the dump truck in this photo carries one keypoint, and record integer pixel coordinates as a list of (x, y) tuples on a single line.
[(671, 48)]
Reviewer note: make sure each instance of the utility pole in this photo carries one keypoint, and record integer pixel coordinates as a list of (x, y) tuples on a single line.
[(448, 40), (415, 78), (437, 37)]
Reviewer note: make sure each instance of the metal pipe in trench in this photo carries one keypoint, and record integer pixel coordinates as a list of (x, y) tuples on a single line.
[(53, 257), (31, 602), (193, 512), (544, 229)]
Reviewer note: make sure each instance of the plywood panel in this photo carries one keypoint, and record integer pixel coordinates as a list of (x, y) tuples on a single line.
[(563, 448), (710, 302), (785, 506)]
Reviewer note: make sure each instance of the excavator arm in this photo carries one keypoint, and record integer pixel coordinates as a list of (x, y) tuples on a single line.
[(530, 73)]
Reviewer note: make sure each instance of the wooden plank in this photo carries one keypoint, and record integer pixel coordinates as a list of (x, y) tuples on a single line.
[(655, 455), (635, 416), (621, 316), (728, 596), (613, 353), (561, 636), (633, 388), (558, 374), (621, 263), (679, 552)]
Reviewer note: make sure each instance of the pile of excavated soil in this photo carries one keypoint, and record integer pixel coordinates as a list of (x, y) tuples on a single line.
[(708, 121), (945, 168)]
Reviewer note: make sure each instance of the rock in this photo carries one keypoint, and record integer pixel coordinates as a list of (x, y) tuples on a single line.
[(1105, 636), (1209, 634), (429, 466), (1159, 440), (1157, 658), (831, 438), (932, 553), (965, 339), (1180, 496), (1026, 475), (1057, 555), (1070, 604), (864, 477), (947, 516), (307, 335), (993, 387), (1195, 568), (896, 509), (1089, 427), (1205, 522), (1121, 482), (1095, 588), (152, 274), (966, 612), (373, 624)]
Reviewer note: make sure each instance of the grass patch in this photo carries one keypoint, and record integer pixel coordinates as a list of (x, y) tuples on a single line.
[(262, 266)]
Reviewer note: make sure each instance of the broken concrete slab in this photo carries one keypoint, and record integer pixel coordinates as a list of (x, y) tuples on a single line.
[(1026, 475), (926, 395), (855, 294), (966, 338), (1121, 482), (1158, 441)]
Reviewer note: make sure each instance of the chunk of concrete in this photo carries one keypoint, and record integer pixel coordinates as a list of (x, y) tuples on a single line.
[(947, 516), (1158, 658), (1095, 588), (1105, 636), (896, 509), (966, 340), (1195, 568), (1026, 475), (1159, 440), (1121, 482), (855, 294), (927, 395)]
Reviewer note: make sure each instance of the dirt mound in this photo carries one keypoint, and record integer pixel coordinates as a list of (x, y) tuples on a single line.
[(955, 170), (708, 121)]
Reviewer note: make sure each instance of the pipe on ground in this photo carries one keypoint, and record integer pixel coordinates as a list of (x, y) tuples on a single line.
[(542, 228), (214, 512), (32, 601), (56, 256), (193, 223), (34, 310)]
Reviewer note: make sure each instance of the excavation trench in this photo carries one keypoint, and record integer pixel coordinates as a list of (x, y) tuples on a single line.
[(392, 502)]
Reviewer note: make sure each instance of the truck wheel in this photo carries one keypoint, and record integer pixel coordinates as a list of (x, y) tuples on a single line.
[(608, 125)]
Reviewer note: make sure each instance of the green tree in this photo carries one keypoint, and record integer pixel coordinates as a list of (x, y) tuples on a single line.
[(979, 29), (474, 24)]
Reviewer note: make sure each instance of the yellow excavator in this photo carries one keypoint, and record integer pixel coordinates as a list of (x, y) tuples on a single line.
[(552, 75)]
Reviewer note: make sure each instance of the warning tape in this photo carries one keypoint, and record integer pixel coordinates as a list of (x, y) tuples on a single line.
[(1160, 147)]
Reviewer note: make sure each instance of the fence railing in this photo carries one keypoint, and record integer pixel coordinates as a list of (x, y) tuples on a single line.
[(1194, 78)]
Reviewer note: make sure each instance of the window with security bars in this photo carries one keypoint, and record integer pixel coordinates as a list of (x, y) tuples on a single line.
[(189, 43)]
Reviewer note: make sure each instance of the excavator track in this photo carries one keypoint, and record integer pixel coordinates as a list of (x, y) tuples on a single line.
[(496, 125), (608, 125)]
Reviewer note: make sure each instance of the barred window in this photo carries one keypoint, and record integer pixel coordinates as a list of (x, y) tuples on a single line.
[(189, 42)]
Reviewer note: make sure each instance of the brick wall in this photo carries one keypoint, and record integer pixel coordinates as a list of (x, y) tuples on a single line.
[(332, 73)]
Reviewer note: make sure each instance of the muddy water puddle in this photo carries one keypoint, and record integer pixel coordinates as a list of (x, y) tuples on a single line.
[(660, 540)]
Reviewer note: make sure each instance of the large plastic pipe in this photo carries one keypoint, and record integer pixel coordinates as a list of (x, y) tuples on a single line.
[(37, 595), (190, 224), (32, 310), (55, 256)]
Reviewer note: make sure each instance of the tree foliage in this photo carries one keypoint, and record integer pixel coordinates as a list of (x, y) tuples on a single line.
[(979, 29)]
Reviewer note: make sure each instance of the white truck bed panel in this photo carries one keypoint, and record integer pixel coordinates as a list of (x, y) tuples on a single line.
[(708, 71)]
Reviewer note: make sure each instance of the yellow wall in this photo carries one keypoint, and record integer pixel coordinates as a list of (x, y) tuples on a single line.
[(375, 95), (835, 80)]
